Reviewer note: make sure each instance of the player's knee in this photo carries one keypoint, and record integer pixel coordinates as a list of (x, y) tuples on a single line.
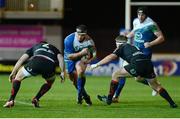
[(115, 80), (80, 72), (116, 75)]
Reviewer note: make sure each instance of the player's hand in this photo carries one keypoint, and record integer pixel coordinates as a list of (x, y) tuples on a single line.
[(93, 66), (84, 51), (147, 44), (62, 77)]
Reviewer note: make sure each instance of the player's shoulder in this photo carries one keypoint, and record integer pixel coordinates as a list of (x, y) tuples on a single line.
[(150, 21), (136, 20), (70, 36)]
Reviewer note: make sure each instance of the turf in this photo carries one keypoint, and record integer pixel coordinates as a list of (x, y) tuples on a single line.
[(135, 102)]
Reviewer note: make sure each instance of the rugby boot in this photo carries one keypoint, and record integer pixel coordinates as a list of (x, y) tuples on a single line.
[(87, 100), (174, 105), (115, 100), (35, 102), (107, 100), (9, 104)]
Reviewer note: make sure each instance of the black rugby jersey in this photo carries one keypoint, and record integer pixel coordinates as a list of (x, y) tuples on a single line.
[(44, 49), (128, 52)]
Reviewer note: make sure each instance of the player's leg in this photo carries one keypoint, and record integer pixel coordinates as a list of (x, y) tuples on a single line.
[(70, 70), (120, 86), (145, 82), (162, 92), (85, 96), (47, 72), (43, 90), (16, 83), (72, 74), (121, 83), (81, 80), (147, 71), (113, 85), (73, 77)]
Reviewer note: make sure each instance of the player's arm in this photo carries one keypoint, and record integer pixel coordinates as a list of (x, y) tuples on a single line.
[(130, 37), (91, 55), (159, 37), (74, 56), (18, 64), (69, 49), (61, 66), (92, 52), (105, 60), (130, 34)]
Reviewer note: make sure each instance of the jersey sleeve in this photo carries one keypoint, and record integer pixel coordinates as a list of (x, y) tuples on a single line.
[(68, 46), (56, 51), (117, 51), (154, 28), (30, 51)]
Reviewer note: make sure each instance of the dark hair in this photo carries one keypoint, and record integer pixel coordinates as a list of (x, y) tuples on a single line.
[(121, 39), (143, 10), (81, 29)]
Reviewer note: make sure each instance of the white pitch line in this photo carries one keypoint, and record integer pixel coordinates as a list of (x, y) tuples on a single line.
[(24, 103), (20, 102)]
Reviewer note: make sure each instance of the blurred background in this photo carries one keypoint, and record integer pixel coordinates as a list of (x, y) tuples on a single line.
[(26, 22)]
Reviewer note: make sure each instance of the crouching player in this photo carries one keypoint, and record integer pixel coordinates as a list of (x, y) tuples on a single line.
[(42, 59), (79, 50), (139, 66)]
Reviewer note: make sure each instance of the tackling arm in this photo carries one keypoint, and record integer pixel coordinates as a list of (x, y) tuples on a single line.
[(104, 61)]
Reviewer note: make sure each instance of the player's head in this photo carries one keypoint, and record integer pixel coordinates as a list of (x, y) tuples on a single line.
[(121, 39), (81, 31), (142, 13)]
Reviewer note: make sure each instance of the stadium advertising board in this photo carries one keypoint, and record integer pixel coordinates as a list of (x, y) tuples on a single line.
[(161, 67), (20, 36)]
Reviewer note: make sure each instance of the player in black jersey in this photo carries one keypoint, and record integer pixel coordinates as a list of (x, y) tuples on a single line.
[(41, 59), (140, 66)]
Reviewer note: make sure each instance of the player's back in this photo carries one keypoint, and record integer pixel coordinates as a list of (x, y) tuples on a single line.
[(45, 50), (128, 52)]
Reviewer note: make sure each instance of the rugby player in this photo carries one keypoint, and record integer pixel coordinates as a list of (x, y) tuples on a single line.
[(138, 66), (145, 34), (41, 60), (79, 50)]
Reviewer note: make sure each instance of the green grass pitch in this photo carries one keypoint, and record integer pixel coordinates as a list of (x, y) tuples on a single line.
[(135, 102)]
